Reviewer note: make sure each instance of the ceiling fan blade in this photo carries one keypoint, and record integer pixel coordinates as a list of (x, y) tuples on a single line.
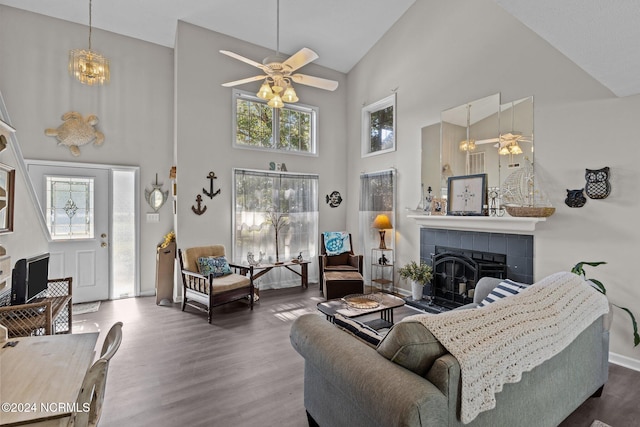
[(243, 59), (243, 81), (300, 58), (318, 82)]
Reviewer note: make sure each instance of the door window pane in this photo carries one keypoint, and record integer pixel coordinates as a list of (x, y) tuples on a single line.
[(70, 207)]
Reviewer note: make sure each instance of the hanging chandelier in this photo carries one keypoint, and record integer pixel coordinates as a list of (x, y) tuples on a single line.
[(88, 66)]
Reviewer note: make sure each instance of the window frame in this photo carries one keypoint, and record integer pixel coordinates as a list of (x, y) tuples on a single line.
[(314, 112), (367, 111)]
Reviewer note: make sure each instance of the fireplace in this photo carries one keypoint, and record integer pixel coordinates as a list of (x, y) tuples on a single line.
[(456, 272), (503, 255)]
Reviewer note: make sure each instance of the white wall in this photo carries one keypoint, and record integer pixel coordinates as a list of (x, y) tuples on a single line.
[(135, 112), (204, 135), (443, 54)]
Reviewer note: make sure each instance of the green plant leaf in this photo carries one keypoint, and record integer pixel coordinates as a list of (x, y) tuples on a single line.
[(636, 337), (599, 286)]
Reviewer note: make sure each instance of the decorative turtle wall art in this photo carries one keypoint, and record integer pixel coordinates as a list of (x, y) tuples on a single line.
[(76, 131)]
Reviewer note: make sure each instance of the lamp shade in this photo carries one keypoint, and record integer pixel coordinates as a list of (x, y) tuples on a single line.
[(381, 222)]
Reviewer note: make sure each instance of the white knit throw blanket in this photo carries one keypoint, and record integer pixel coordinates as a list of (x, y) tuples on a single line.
[(497, 343)]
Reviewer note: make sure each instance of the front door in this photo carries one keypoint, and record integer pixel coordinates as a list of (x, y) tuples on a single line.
[(75, 204)]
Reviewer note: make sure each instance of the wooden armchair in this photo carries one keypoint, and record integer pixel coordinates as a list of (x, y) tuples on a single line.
[(347, 261), (204, 293)]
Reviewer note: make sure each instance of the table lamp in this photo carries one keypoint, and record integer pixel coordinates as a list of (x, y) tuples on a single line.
[(381, 223)]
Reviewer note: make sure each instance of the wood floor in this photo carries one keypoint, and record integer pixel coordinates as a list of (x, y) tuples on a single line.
[(174, 369)]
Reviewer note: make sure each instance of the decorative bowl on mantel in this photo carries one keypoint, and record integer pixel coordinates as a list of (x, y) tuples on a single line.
[(530, 211)]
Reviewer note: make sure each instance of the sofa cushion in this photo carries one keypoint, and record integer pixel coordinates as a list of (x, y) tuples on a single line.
[(219, 266), (360, 330), (504, 289), (411, 345)]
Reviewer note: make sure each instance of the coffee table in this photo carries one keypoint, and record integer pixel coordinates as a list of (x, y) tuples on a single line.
[(387, 303)]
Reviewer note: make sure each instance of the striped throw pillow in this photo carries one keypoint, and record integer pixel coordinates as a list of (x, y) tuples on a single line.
[(360, 330), (504, 289)]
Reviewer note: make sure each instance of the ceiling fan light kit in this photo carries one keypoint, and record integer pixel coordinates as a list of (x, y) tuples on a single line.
[(277, 87)]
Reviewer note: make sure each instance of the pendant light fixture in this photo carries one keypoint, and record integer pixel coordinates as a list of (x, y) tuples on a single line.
[(88, 66)]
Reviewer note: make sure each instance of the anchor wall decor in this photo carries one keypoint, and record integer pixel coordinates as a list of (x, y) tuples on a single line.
[(211, 193), (200, 209)]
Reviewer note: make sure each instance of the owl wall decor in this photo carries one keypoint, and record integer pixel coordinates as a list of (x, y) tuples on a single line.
[(575, 198), (598, 186)]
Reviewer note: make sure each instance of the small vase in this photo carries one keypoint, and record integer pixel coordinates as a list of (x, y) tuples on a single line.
[(416, 290)]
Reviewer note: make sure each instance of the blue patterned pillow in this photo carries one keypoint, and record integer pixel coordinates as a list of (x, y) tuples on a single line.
[(336, 242), (216, 265), (504, 289)]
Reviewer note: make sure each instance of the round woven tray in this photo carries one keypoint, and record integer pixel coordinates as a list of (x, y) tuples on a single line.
[(362, 301), (529, 211)]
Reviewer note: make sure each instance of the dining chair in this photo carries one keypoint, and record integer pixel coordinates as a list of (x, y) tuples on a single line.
[(112, 342), (89, 402)]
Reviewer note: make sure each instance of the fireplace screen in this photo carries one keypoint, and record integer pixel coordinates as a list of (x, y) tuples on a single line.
[(456, 272)]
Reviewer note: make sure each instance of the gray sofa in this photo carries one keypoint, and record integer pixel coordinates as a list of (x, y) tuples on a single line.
[(350, 383)]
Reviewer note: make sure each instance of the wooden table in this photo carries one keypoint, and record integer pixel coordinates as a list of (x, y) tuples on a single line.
[(262, 269), (40, 373)]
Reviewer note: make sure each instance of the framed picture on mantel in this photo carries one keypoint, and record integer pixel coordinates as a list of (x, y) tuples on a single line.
[(467, 194)]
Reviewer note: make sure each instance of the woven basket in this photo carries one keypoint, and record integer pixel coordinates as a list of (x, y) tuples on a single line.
[(530, 211)]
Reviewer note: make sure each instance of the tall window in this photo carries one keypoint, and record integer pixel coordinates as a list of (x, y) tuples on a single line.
[(291, 128), (263, 199), (377, 196)]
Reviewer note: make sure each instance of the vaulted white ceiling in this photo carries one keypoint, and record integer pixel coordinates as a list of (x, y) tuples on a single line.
[(600, 36), (339, 31)]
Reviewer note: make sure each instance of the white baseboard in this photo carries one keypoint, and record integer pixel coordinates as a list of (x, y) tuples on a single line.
[(148, 293), (627, 362)]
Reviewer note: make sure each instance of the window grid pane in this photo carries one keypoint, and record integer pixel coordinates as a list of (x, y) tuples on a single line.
[(70, 205), (288, 129)]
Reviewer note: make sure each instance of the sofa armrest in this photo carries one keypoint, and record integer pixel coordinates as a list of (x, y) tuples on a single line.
[(375, 386)]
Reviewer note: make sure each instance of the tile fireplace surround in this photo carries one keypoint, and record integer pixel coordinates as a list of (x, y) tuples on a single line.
[(517, 247)]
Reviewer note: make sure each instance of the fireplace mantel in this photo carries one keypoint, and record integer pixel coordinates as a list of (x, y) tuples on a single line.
[(504, 224)]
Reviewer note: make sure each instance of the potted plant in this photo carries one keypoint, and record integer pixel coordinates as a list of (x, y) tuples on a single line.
[(419, 274), (579, 270)]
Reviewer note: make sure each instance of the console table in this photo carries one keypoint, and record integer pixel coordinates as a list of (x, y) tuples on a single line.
[(51, 314)]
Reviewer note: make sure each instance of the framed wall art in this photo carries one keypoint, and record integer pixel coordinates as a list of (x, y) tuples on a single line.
[(379, 127), (467, 194), (7, 183)]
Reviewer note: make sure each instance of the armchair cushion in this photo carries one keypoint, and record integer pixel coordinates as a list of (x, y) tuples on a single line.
[(191, 255), (218, 266), (338, 260)]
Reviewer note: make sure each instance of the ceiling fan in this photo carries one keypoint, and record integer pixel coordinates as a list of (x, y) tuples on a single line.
[(279, 73)]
